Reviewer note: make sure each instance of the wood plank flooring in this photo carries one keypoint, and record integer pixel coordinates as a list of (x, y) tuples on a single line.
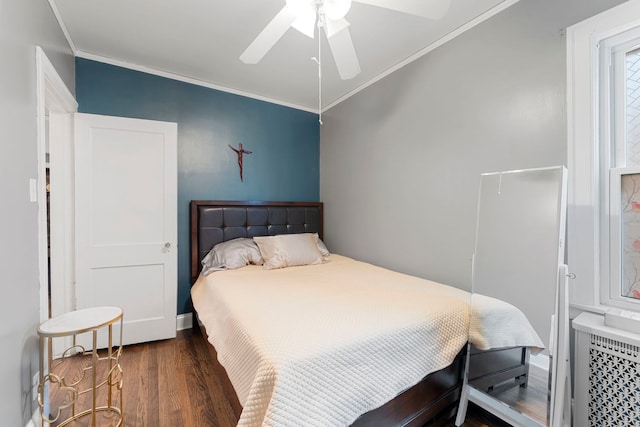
[(172, 383)]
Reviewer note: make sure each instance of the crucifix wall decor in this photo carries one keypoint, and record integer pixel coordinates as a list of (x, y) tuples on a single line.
[(240, 152)]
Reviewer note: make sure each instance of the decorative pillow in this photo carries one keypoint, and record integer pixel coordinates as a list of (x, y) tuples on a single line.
[(288, 250), (322, 247), (230, 255)]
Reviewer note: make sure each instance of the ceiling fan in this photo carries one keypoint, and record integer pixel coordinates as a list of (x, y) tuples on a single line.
[(306, 15)]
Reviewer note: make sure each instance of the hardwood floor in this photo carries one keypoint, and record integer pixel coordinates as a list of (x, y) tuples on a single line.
[(172, 383)]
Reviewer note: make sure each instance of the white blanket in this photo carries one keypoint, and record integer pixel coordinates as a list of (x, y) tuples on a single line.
[(496, 324), (320, 345)]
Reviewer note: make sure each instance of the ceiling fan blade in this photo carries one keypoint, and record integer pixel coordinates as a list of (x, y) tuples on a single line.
[(433, 9), (268, 37), (332, 27), (344, 54)]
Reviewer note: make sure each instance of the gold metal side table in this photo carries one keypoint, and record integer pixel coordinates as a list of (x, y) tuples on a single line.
[(100, 372)]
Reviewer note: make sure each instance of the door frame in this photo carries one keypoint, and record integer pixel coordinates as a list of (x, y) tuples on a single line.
[(56, 101)]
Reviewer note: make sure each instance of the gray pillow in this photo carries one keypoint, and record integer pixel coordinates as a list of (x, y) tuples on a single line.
[(230, 255)]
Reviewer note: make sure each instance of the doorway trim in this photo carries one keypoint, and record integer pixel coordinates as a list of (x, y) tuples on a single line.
[(55, 100)]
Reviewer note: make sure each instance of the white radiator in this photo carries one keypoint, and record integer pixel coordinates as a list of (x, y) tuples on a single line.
[(607, 374)]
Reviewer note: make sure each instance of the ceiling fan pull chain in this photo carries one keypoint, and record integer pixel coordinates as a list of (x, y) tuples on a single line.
[(321, 24), (320, 70), (317, 61)]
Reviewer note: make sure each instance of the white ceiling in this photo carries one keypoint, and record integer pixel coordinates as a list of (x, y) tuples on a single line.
[(201, 41)]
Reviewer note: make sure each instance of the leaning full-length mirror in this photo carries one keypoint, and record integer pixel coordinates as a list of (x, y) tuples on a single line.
[(517, 269)]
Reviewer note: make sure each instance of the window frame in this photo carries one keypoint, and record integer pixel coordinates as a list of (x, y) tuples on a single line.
[(613, 151), (590, 156)]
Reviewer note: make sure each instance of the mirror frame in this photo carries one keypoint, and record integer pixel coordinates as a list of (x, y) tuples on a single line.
[(558, 409)]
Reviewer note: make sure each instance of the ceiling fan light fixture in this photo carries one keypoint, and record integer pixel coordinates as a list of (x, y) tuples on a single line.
[(301, 7), (335, 10), (305, 22)]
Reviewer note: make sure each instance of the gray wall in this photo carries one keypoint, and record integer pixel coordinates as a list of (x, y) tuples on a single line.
[(410, 149), (23, 24)]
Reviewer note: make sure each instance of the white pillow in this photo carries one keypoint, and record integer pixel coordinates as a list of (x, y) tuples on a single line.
[(230, 255), (288, 250), (322, 247)]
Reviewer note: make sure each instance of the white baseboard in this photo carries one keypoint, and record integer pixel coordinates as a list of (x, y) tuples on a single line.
[(539, 365), (184, 321)]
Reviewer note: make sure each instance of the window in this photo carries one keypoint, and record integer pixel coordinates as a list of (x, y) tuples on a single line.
[(620, 113), (619, 150), (603, 103), (631, 79)]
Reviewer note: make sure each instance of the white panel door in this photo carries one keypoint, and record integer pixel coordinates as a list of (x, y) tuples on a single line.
[(126, 221)]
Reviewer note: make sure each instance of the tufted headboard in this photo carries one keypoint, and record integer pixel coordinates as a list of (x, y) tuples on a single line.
[(216, 221)]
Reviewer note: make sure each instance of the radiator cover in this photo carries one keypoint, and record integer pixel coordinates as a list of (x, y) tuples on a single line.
[(607, 376)]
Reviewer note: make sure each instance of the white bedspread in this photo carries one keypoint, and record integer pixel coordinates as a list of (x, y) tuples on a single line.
[(496, 324), (320, 345)]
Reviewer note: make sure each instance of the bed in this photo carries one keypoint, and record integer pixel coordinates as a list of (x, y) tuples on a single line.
[(429, 399)]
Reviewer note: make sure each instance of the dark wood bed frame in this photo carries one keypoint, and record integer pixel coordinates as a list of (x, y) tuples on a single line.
[(431, 402)]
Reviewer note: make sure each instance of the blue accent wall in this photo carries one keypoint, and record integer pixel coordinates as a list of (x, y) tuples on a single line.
[(285, 142)]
